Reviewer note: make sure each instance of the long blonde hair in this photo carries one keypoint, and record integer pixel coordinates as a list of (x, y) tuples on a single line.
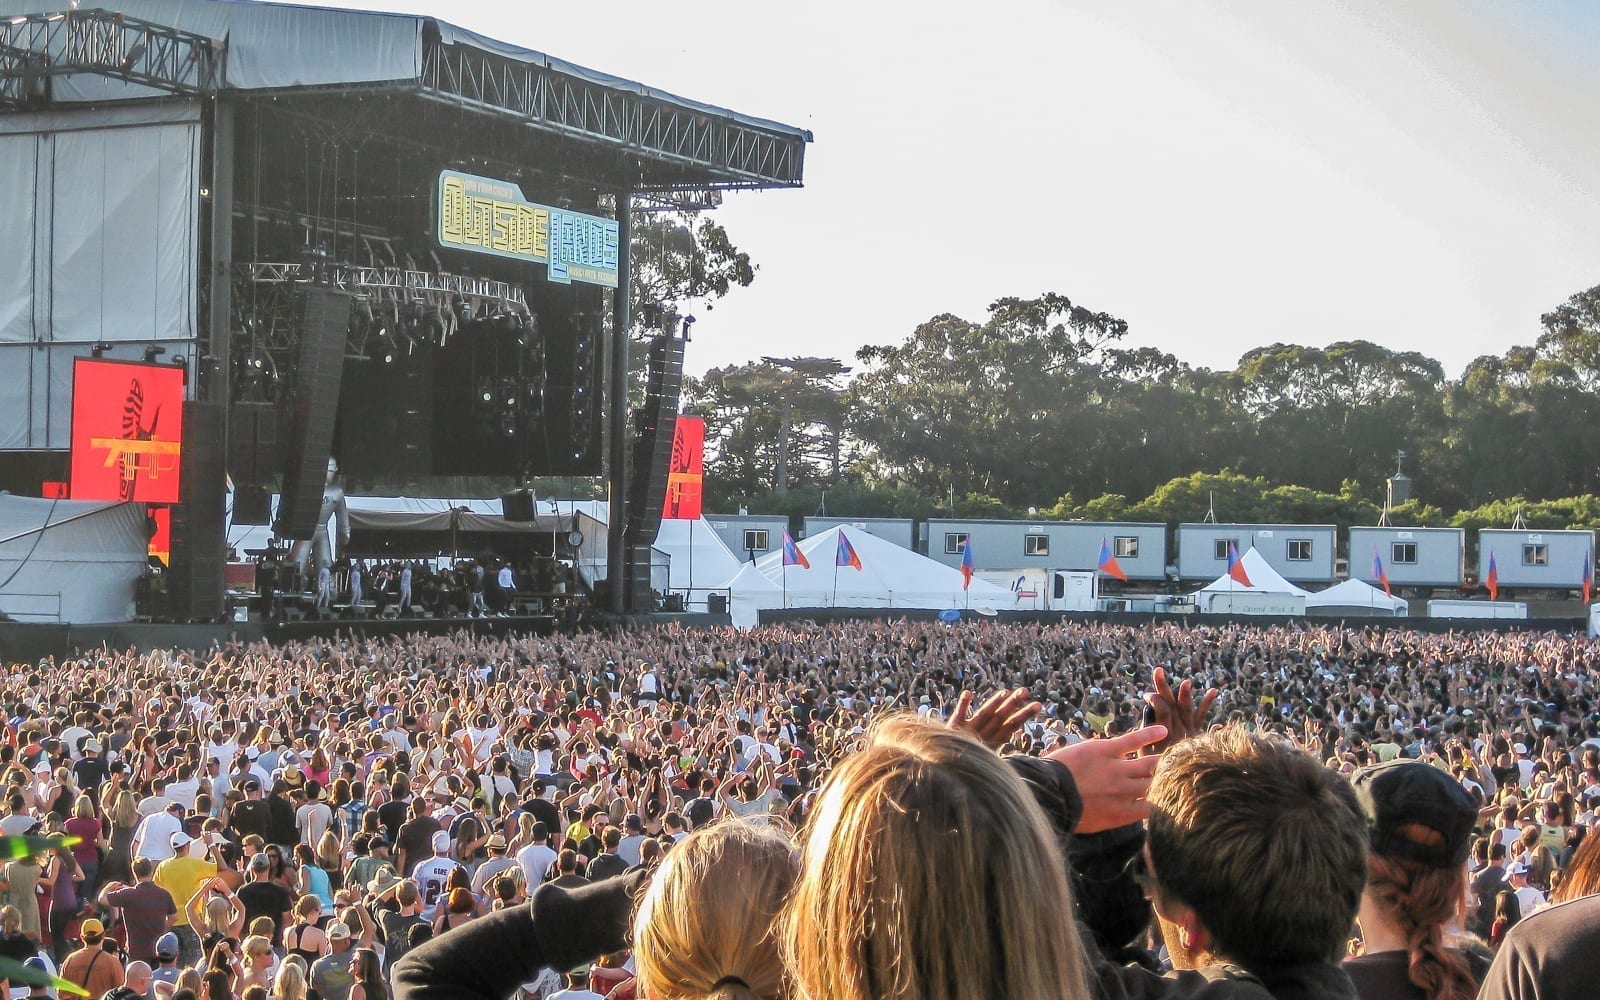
[(931, 873), (708, 925)]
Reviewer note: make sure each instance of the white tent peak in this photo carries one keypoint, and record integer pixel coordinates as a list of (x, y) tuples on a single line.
[(1263, 579)]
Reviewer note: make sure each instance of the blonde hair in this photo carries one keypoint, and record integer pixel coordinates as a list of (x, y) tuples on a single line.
[(290, 982), (83, 808), (218, 916), (124, 809), (919, 839), (256, 943), (711, 915), (10, 919)]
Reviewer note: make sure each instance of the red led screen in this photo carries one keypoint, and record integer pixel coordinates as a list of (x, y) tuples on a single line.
[(127, 431)]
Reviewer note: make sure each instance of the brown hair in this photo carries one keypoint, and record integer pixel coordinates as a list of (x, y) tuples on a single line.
[(918, 840), (1582, 874), (707, 926), (1422, 900), (1267, 846)]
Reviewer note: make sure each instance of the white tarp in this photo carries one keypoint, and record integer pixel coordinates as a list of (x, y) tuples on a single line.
[(99, 223), (1357, 595), (890, 577), (702, 565), (1263, 580), (69, 561)]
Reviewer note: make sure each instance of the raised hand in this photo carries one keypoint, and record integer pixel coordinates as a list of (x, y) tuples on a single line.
[(998, 719)]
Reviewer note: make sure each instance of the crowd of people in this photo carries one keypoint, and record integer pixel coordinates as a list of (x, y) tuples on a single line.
[(867, 809)]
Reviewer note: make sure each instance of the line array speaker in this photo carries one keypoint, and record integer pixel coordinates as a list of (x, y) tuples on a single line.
[(652, 457), (194, 587), (314, 410)]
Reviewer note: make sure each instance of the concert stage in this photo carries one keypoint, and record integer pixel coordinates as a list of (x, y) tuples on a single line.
[(376, 238)]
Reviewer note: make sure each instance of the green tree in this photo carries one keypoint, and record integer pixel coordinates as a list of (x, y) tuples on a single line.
[(1006, 408), (771, 426)]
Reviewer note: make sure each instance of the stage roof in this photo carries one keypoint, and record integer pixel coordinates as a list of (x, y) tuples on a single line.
[(151, 48)]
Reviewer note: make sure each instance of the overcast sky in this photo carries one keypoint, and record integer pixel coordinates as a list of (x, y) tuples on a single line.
[(1224, 174)]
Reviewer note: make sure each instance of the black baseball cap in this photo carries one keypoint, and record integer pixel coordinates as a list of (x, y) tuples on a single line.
[(1404, 793)]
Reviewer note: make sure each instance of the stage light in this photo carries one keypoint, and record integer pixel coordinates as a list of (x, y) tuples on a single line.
[(152, 352), (180, 361), (99, 349), (688, 321), (388, 357), (487, 396), (133, 57)]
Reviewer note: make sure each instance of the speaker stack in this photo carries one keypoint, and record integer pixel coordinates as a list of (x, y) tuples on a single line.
[(195, 582), (652, 458), (314, 410)]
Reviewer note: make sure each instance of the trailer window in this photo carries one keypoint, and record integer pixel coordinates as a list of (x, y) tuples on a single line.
[(1127, 547), (954, 542), (1299, 550), (1403, 553), (1536, 555), (1035, 545), (755, 539), (1222, 548)]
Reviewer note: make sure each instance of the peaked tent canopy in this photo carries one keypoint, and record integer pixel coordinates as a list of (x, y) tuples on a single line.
[(890, 577), (1263, 579), (69, 561), (1357, 596)]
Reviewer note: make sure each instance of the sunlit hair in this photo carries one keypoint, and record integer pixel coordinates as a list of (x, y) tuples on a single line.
[(218, 916), (1267, 846), (931, 873), (1581, 877), (83, 808), (290, 982), (712, 913), (1422, 901)]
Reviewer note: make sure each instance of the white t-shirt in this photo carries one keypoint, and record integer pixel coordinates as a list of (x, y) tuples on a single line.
[(155, 836), (1529, 899), (535, 861)]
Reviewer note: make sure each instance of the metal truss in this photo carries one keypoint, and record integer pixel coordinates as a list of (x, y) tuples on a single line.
[(723, 150), (391, 281), (37, 47)]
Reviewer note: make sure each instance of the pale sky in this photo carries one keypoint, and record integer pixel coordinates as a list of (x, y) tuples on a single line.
[(1224, 174)]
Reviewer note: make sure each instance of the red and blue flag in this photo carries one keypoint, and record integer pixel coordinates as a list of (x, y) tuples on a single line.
[(1236, 566), (1108, 562), (1588, 576), (846, 556), (1378, 574), (1492, 578), (967, 566), (792, 556)]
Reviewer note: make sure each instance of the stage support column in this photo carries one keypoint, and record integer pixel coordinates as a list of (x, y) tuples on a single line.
[(617, 424), (218, 387)]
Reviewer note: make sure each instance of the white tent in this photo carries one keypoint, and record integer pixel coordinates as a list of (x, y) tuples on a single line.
[(890, 577), (1267, 593), (1263, 580), (69, 561), (703, 565), (1356, 596)]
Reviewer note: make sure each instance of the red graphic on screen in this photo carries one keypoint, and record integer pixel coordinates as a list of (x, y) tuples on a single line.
[(127, 431), (158, 521), (686, 470)]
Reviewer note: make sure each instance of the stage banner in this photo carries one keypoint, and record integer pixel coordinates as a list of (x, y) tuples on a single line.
[(127, 431), (483, 215), (685, 472)]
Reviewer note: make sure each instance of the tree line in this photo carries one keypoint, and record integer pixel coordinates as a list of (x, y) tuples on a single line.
[(1041, 410)]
